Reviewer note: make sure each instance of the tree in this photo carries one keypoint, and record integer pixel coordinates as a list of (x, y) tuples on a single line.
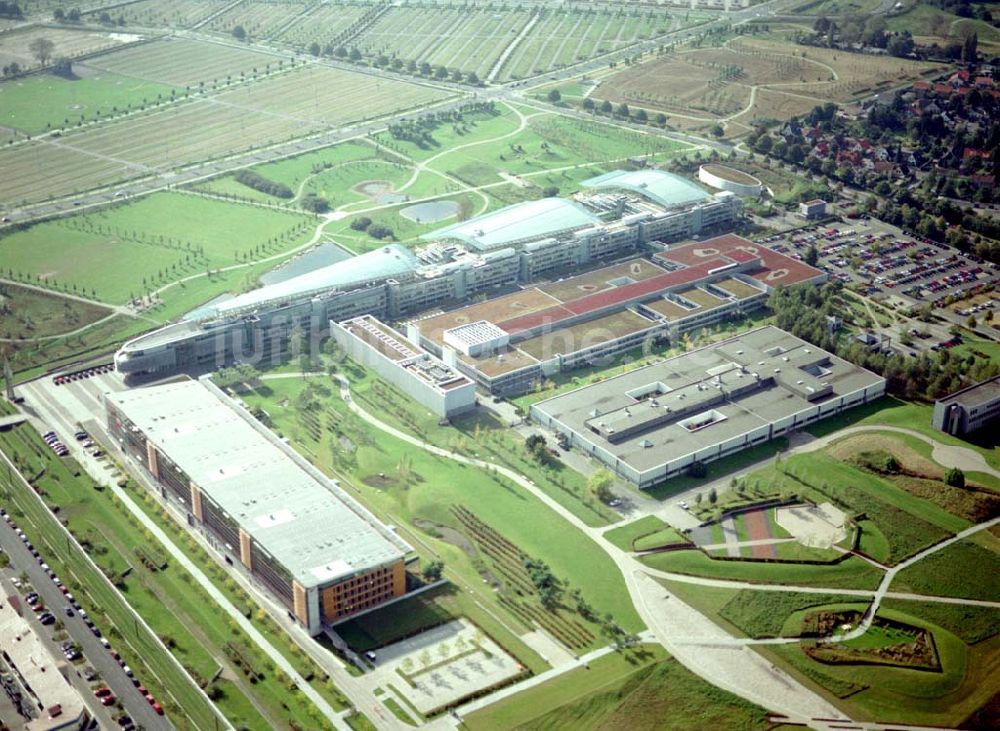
[(472, 78), (41, 49), (535, 444), (73, 16), (240, 33), (63, 67), (550, 191), (717, 131), (314, 48), (954, 477), (433, 570), (812, 255), (600, 484), (554, 96), (623, 110), (713, 496), (969, 48), (606, 107), (588, 104)]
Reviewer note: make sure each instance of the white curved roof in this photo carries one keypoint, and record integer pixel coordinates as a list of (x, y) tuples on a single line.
[(661, 187), (521, 221), (383, 263)]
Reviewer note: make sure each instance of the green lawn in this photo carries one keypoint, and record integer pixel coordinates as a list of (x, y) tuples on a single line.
[(41, 102), (964, 569), (898, 694), (481, 434), (664, 537), (907, 522), (852, 573), (626, 535), (635, 691), (141, 246), (763, 613), (425, 488), (904, 414)]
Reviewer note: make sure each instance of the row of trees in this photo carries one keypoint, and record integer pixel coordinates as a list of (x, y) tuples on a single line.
[(258, 182)]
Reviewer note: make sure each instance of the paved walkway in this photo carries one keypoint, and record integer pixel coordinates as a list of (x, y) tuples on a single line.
[(736, 669)]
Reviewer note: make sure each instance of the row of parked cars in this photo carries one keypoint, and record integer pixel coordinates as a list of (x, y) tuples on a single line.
[(82, 375), (52, 439), (73, 608)]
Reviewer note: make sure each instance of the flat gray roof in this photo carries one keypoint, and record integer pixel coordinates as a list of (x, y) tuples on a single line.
[(40, 670), (653, 415), (305, 522), (977, 395)]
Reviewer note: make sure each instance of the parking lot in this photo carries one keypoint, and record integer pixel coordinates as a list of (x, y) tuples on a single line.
[(883, 263)]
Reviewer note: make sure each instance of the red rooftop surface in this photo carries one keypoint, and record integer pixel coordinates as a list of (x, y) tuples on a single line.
[(627, 293), (775, 269)]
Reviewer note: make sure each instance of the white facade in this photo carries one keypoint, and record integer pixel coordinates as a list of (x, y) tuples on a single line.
[(750, 190), (418, 374), (476, 338)]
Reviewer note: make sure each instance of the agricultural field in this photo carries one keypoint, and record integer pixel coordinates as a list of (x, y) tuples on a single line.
[(15, 46), (710, 85), (166, 13), (44, 102), (261, 20), (276, 109), (135, 248), (562, 38), (642, 688), (455, 36), (182, 62), (322, 24)]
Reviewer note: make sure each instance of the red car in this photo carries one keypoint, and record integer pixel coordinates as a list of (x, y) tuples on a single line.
[(107, 700), (102, 692), (158, 709)]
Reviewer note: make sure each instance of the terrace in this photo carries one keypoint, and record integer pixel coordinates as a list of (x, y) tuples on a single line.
[(496, 310), (571, 339), (636, 270)]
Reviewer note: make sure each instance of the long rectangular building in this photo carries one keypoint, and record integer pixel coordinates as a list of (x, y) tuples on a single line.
[(653, 423), (316, 550)]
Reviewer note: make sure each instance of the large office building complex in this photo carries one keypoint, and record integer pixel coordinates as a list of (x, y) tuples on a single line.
[(969, 409), (526, 336), (616, 214), (316, 550), (653, 423)]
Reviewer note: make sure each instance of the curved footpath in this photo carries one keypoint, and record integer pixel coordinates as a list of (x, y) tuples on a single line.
[(697, 642)]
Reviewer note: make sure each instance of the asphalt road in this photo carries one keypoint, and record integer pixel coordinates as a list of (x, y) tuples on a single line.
[(93, 651)]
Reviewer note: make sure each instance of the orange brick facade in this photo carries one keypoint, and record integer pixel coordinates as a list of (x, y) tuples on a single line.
[(363, 592)]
